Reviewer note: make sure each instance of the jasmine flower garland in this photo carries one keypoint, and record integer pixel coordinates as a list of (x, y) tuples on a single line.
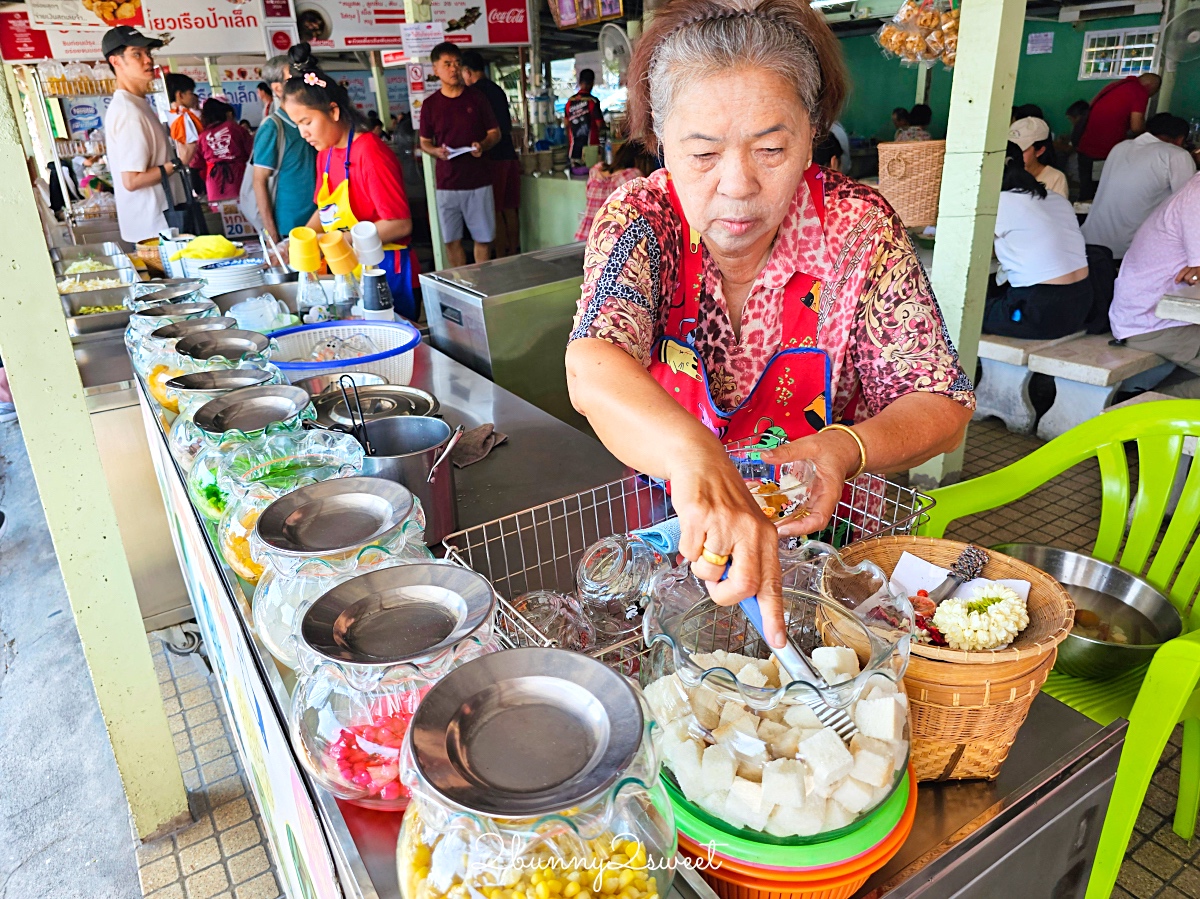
[(992, 617)]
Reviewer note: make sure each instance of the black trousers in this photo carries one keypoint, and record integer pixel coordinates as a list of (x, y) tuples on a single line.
[(1039, 312)]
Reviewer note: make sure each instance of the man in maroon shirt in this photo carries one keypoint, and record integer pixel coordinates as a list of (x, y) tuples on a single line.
[(1118, 112), (458, 122)]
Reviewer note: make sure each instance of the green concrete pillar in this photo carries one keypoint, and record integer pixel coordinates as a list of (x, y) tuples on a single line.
[(989, 45), (58, 434), (418, 11), (381, 96)]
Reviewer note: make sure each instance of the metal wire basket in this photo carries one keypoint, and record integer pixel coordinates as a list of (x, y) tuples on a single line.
[(540, 548)]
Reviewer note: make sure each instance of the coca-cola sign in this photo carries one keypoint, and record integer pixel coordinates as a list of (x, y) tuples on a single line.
[(487, 23)]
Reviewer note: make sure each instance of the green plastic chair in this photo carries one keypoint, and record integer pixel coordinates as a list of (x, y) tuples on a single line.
[(1155, 697)]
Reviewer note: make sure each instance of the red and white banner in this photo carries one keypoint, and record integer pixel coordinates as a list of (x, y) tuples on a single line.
[(207, 27), (390, 58), (350, 24), (88, 15), (494, 23), (20, 41)]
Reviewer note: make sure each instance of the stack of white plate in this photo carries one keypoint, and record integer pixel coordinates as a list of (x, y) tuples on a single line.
[(231, 274)]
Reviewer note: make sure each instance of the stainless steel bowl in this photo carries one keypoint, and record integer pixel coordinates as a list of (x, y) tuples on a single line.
[(398, 614), (83, 250), (194, 326), (1115, 595), (172, 289), (285, 292), (318, 384), (275, 276), (333, 516), (171, 310), (250, 409), (230, 343), (110, 263)]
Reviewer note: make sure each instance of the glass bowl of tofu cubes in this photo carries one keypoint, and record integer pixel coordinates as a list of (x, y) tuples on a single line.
[(756, 753)]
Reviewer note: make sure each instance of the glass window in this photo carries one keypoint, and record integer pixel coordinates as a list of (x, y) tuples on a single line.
[(1116, 54)]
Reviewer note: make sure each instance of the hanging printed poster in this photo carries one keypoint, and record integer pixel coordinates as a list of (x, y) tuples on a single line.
[(484, 23)]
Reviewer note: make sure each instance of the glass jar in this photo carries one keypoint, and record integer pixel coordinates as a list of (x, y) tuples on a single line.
[(312, 539), (230, 348), (369, 650), (748, 746), (533, 771), (190, 392), (251, 414), (613, 580), (160, 345), (558, 616), (149, 316), (257, 473)]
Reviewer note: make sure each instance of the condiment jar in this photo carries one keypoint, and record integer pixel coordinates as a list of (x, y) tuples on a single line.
[(713, 686), (149, 319), (312, 539), (369, 650), (255, 474), (159, 345), (533, 772), (190, 392), (239, 417), (613, 580), (232, 348)]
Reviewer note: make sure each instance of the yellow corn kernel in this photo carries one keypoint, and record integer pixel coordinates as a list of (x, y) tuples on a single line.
[(519, 894), (610, 885), (422, 856), (638, 859), (625, 877), (575, 876), (535, 878), (571, 889), (542, 891)]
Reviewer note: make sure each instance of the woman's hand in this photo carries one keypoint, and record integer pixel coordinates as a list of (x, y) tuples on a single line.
[(717, 513), (1189, 274), (836, 456)]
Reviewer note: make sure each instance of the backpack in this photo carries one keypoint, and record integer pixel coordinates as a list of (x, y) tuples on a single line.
[(247, 201)]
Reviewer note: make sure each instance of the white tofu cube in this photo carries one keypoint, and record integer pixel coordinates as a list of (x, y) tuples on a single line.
[(750, 767), (878, 686), (742, 734), (734, 711), (836, 663), (776, 714), (883, 718), (787, 744), (836, 816), (769, 731), (872, 768), (705, 660), (786, 821), (827, 757), (783, 782), (685, 764), (770, 671), (668, 700), (854, 796), (751, 675), (714, 803), (717, 768), (745, 806), (897, 750), (801, 716), (706, 706)]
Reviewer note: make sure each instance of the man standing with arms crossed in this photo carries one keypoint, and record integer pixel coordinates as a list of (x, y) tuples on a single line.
[(138, 147), (459, 118), (285, 164)]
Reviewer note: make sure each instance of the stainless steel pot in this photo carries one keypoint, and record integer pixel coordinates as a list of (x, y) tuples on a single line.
[(414, 451)]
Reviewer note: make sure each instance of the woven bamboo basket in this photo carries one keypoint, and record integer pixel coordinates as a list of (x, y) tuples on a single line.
[(910, 178), (965, 708)]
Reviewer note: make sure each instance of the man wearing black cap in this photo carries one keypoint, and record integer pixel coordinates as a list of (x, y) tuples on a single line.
[(138, 148)]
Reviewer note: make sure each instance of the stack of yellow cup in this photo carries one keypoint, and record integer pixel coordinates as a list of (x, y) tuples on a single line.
[(303, 253), (338, 253)]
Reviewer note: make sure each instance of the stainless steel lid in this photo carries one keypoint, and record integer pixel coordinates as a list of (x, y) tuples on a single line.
[(221, 379), (168, 309), (395, 615), (526, 732), (378, 401), (230, 343), (179, 287), (333, 515), (250, 409), (194, 325), (318, 384)]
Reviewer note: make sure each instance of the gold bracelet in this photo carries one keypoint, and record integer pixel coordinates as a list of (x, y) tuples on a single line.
[(862, 449)]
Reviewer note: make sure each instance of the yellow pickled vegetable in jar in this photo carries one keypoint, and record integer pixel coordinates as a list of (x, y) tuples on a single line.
[(611, 868), (157, 379), (235, 544)]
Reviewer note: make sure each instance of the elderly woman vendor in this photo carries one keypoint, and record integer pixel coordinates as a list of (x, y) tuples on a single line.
[(741, 288)]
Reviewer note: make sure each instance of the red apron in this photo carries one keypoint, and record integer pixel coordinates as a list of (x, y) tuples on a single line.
[(792, 397)]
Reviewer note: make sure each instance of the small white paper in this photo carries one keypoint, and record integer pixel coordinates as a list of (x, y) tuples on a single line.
[(913, 574), (458, 151)]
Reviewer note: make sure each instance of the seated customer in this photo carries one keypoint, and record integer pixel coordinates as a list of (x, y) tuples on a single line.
[(1039, 246), (919, 118), (1138, 175), (1165, 254), (630, 161), (828, 153), (1032, 135)]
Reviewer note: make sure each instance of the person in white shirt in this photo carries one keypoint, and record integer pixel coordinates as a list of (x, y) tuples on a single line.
[(1038, 243), (138, 148), (1138, 176), (1032, 135)]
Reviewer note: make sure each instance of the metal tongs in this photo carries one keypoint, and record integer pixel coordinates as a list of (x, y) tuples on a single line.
[(358, 430), (274, 247)]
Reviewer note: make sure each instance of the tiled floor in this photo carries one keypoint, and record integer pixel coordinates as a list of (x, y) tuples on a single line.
[(224, 855), (1158, 864)]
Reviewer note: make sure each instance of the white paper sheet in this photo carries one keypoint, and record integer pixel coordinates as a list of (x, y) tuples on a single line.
[(913, 574), (458, 151)]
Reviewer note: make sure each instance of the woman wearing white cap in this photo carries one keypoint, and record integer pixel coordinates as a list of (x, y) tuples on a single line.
[(1032, 135)]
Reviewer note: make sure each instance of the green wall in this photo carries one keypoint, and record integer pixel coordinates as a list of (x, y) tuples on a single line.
[(1051, 80)]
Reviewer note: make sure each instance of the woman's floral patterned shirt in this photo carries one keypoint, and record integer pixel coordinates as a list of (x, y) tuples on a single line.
[(877, 316)]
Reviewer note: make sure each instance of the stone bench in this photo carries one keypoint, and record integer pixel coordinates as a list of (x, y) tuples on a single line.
[(1087, 373), (1003, 390)]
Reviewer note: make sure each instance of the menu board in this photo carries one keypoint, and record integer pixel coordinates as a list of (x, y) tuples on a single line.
[(91, 15), (350, 24), (571, 13), (207, 27), (484, 23), (21, 42)]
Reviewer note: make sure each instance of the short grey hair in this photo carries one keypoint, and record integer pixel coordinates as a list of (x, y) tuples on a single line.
[(718, 44), (276, 69)]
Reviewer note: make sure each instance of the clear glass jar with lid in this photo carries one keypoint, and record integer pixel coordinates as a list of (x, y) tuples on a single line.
[(613, 579), (156, 360), (312, 539), (148, 320), (190, 392), (369, 649), (231, 348), (250, 414), (795, 758), (533, 772), (255, 474)]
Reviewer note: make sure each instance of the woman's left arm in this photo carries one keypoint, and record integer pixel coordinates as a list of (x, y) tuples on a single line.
[(394, 230)]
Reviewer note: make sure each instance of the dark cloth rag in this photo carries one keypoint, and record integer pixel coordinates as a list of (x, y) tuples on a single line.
[(475, 444)]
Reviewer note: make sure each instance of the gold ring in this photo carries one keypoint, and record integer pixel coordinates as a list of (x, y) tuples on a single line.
[(714, 558)]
